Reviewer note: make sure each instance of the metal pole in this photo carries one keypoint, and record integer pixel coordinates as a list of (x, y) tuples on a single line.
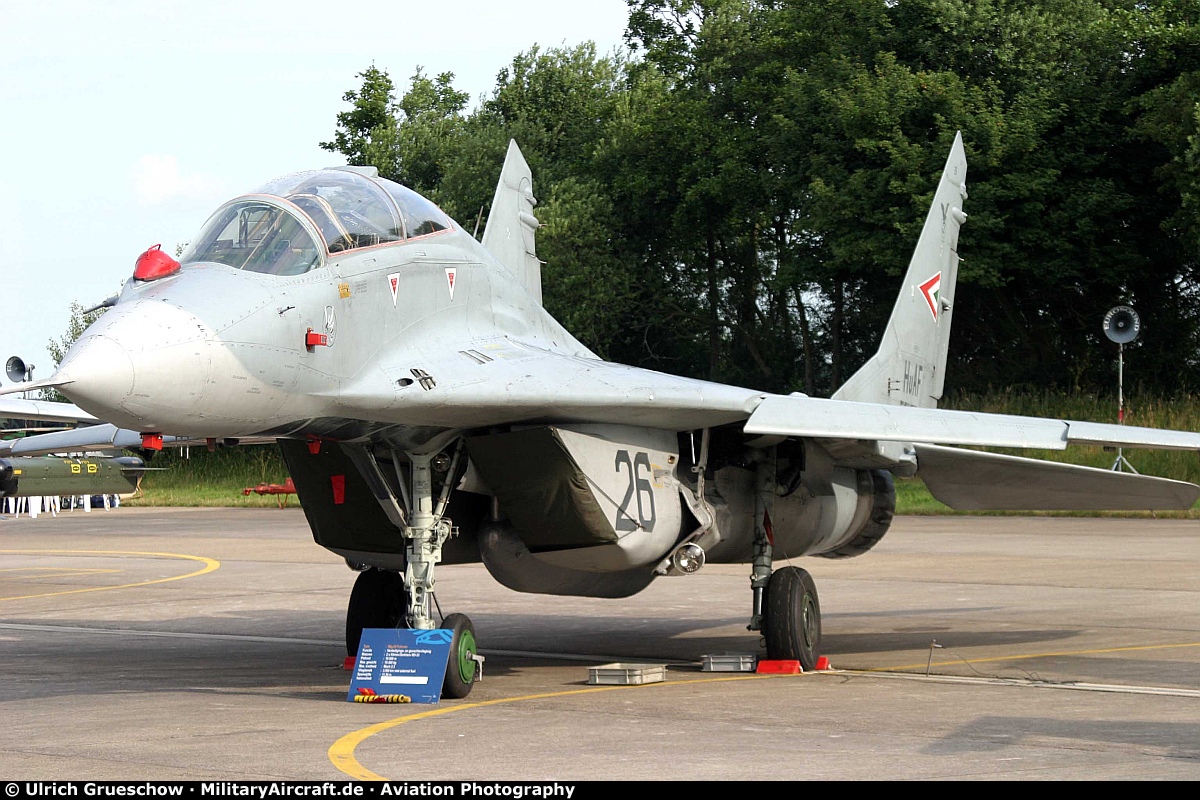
[(1121, 461), (1120, 401)]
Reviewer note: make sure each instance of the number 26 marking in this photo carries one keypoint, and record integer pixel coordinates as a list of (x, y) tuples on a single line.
[(639, 488)]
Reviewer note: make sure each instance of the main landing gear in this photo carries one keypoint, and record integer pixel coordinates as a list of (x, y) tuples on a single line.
[(786, 608), (387, 599), (793, 618), (788, 613)]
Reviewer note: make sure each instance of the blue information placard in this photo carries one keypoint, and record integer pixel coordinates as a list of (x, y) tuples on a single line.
[(400, 661)]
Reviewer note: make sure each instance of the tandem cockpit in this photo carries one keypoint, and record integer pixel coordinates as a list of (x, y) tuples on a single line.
[(292, 224)]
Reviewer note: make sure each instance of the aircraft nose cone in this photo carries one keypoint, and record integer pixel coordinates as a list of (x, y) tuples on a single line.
[(143, 366), (101, 374)]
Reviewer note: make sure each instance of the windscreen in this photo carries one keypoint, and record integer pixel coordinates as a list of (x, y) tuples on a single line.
[(256, 236)]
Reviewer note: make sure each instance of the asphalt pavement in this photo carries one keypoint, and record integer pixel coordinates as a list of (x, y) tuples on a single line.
[(207, 644)]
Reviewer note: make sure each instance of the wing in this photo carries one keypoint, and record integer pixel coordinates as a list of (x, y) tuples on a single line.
[(492, 383), (496, 382), (43, 410), (971, 480), (98, 438), (850, 420), (92, 437), (477, 383), (519, 383)]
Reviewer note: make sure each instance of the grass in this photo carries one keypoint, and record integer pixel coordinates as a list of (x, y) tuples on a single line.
[(200, 478), (1181, 413), (197, 477), (1178, 414), (913, 499)]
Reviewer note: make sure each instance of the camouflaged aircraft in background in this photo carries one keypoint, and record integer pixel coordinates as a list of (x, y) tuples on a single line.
[(431, 411)]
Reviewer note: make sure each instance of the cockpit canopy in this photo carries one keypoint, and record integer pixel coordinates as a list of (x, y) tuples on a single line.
[(288, 225)]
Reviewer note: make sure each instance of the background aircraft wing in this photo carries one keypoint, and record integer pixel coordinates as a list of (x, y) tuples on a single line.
[(94, 438), (90, 438), (43, 410)]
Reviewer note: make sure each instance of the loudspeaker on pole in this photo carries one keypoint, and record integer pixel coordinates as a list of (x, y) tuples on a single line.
[(1122, 324), (16, 370)]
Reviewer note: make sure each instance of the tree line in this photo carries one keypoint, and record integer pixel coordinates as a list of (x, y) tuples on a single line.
[(735, 194)]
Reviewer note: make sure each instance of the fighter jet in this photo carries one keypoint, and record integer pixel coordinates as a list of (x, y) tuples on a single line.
[(431, 411)]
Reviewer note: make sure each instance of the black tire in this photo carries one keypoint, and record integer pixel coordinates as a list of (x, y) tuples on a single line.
[(461, 668), (378, 600), (793, 623)]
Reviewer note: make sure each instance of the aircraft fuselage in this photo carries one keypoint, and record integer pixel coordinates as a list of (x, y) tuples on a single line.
[(214, 351)]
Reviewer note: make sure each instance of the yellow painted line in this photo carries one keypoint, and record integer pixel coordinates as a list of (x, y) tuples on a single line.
[(210, 564), (1027, 656), (341, 752), (58, 572)]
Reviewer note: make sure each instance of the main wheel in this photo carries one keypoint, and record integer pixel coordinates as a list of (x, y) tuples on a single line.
[(462, 668), (793, 618), (378, 600)]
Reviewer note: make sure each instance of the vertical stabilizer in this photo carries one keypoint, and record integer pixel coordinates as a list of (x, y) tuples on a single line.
[(910, 367), (511, 225)]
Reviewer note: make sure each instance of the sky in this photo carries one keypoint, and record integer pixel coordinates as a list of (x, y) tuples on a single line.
[(124, 124)]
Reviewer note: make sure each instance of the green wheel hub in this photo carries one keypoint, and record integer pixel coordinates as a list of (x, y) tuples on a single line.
[(465, 656)]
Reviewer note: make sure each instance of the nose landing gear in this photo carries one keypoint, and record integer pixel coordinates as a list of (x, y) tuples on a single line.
[(386, 599)]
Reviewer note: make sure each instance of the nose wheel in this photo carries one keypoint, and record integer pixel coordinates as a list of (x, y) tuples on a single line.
[(463, 667), (378, 600)]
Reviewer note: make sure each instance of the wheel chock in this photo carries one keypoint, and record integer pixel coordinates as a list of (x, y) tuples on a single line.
[(348, 664), (778, 667), (823, 664)]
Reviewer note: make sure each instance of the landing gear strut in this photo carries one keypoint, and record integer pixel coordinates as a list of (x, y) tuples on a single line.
[(786, 608), (386, 599)]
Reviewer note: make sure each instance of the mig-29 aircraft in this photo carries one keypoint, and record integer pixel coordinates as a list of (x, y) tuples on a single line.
[(431, 411)]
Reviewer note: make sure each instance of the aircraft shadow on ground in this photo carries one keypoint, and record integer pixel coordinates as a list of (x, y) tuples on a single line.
[(996, 733)]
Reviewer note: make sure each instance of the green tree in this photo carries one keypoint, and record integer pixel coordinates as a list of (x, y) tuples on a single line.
[(365, 134), (79, 322), (736, 196)]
